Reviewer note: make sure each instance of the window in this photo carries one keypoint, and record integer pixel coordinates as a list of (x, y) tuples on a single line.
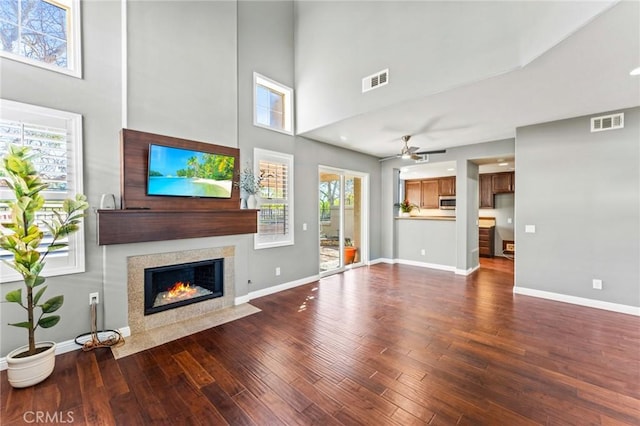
[(275, 218), (45, 33), (57, 138), (272, 105)]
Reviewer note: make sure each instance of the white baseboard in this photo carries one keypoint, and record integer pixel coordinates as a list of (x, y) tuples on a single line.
[(275, 289), (582, 301), (426, 265), (241, 299), (380, 260), (437, 266), (67, 346), (467, 271)]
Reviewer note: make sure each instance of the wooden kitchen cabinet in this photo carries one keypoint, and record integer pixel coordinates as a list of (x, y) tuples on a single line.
[(447, 185), (486, 237), (412, 192), (502, 182), (486, 191), (429, 194), (425, 193), (495, 183)]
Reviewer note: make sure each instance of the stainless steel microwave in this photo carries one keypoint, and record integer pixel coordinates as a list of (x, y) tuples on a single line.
[(447, 202)]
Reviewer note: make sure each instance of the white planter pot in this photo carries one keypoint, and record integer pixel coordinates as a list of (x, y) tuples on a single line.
[(28, 371), (252, 202)]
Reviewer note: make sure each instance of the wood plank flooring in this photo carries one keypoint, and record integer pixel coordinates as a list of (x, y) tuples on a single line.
[(380, 345)]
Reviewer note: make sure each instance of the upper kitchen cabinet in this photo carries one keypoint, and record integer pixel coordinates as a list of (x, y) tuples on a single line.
[(413, 192), (447, 185), (429, 199), (426, 192), (486, 191), (502, 182), (495, 183)]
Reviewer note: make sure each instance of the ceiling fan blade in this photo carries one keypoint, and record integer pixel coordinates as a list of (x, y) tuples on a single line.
[(426, 127), (389, 158), (438, 151), (412, 149)]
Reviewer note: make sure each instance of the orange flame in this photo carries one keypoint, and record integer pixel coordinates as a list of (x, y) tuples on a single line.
[(181, 290)]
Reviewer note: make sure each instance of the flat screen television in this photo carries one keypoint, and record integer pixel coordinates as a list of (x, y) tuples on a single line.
[(179, 172)]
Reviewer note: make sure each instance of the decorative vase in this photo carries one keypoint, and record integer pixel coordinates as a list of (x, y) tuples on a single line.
[(252, 203), (31, 370), (243, 203)]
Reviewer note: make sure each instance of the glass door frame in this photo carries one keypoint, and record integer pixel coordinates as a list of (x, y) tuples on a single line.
[(363, 249)]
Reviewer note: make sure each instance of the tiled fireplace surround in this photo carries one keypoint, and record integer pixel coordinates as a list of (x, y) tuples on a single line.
[(139, 323)]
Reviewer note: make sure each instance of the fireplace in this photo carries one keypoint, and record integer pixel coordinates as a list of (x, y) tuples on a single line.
[(172, 286)]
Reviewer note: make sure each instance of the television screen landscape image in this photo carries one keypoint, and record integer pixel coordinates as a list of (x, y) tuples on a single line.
[(187, 173)]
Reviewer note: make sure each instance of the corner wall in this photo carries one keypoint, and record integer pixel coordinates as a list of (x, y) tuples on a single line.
[(581, 190), (266, 45), (97, 96)]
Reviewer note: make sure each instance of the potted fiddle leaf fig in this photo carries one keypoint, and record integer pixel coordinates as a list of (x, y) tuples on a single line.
[(22, 237)]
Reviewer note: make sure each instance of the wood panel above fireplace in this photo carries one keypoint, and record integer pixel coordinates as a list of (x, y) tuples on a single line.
[(159, 218), (135, 226), (134, 169)]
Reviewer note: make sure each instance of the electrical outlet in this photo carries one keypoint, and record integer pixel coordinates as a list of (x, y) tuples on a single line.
[(304, 226), (423, 252), (597, 284), (278, 271), (94, 298)]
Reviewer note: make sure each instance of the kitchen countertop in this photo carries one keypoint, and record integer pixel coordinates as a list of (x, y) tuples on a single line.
[(486, 222), (426, 217)]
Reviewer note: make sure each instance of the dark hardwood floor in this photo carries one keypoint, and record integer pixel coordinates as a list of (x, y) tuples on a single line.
[(386, 344)]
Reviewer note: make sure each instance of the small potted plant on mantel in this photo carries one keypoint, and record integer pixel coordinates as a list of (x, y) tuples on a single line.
[(22, 236), (406, 207)]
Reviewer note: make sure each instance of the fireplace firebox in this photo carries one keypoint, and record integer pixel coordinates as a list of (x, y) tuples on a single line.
[(171, 286)]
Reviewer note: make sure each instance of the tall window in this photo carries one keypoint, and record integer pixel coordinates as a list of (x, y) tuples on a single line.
[(275, 219), (44, 33), (272, 105), (56, 137)]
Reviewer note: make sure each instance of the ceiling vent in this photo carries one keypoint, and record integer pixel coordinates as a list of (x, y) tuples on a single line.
[(424, 158), (607, 122), (376, 80)]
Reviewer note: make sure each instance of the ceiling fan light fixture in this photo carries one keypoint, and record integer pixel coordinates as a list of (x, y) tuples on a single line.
[(405, 156)]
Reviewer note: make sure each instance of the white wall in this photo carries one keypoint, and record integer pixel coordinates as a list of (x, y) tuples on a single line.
[(428, 46), (581, 190), (97, 97)]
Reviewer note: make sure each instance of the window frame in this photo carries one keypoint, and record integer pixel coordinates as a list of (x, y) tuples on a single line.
[(287, 159), (287, 92), (74, 261), (74, 42)]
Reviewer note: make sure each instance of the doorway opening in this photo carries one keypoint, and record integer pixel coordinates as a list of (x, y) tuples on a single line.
[(343, 219)]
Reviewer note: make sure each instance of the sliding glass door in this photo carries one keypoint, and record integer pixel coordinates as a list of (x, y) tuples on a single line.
[(343, 221)]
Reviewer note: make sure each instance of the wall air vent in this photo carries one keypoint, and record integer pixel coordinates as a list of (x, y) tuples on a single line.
[(607, 122), (376, 80)]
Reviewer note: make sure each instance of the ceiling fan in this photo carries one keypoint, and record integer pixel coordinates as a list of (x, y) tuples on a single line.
[(411, 152)]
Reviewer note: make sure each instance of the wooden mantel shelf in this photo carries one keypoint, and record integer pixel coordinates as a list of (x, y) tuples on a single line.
[(135, 226)]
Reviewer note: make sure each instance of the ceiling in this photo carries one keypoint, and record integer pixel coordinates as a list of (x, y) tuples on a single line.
[(583, 70)]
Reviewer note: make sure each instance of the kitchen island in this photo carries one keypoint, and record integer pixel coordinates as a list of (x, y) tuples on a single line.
[(426, 241)]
